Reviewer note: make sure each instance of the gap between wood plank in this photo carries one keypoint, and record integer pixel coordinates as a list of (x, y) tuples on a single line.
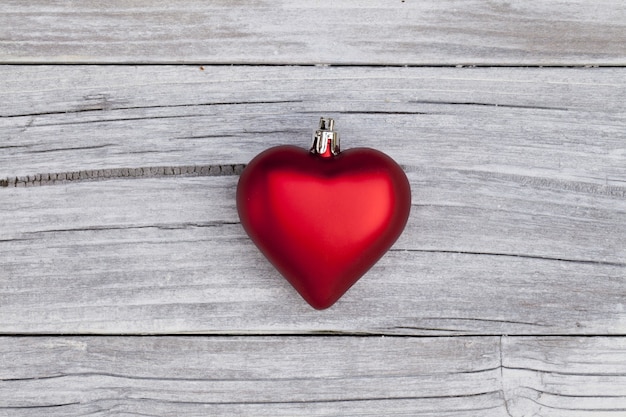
[(300, 64), (312, 334)]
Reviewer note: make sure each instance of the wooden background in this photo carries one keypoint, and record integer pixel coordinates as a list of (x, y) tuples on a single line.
[(128, 287)]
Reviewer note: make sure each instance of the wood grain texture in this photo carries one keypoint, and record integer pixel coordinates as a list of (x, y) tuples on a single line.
[(275, 376), (293, 376), (562, 124), (117, 213), (323, 32), (518, 224), (559, 377), (168, 256)]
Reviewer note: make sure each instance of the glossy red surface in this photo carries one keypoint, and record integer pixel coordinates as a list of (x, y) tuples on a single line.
[(323, 221)]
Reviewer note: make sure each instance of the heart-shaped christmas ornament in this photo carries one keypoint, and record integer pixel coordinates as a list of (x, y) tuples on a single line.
[(323, 217)]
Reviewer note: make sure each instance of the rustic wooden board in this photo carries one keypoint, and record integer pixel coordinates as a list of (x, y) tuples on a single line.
[(518, 224), (280, 376), (117, 208), (378, 32), (275, 376), (168, 255), (556, 124)]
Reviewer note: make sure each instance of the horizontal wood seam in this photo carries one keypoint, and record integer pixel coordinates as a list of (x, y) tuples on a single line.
[(7, 335), (302, 64)]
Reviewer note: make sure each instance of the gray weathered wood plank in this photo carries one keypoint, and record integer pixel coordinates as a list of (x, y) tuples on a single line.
[(276, 376), (168, 256), (558, 124), (518, 224), (331, 32), (322, 376)]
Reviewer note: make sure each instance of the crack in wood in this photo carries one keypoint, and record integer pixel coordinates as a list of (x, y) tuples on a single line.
[(22, 407), (502, 385), (332, 400), (14, 146), (378, 112), (121, 119), (477, 103), (556, 394), (572, 409), (179, 226), (117, 173), (514, 255), (529, 323), (247, 379), (430, 329), (108, 106), (565, 373), (106, 145)]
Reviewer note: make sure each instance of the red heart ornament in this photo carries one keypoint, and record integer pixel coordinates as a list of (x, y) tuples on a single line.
[(323, 220)]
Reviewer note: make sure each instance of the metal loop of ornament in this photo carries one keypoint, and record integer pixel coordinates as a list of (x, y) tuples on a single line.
[(323, 135)]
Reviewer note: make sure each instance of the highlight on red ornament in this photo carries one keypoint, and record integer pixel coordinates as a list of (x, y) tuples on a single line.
[(323, 217)]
